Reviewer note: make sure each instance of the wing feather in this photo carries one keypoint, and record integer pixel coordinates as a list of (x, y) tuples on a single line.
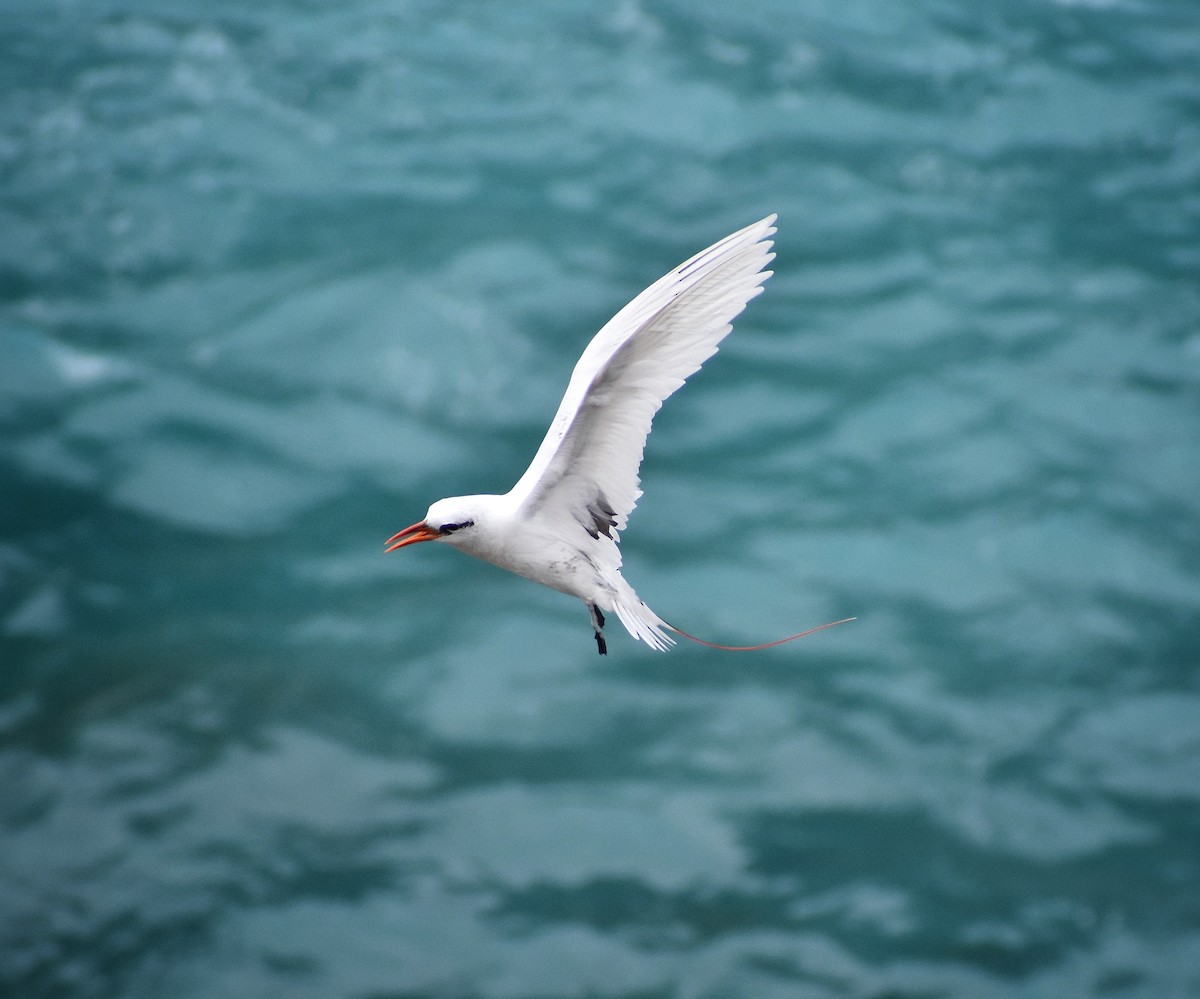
[(587, 465)]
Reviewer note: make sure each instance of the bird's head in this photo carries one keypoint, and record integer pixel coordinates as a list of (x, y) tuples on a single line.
[(452, 520)]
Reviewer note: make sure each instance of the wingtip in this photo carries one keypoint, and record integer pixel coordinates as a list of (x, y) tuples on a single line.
[(761, 230)]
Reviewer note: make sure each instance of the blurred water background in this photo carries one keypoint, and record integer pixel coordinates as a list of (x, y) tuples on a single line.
[(275, 276)]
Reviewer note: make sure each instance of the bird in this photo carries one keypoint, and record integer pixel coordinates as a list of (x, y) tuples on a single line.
[(560, 524)]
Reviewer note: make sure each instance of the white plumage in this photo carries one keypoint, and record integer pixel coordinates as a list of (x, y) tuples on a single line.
[(559, 524)]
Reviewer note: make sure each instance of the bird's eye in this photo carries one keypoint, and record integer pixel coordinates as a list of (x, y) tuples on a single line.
[(451, 528)]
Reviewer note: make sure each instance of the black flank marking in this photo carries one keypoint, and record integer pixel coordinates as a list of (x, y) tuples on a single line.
[(604, 519)]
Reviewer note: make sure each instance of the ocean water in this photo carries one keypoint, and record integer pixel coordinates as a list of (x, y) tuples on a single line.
[(275, 276)]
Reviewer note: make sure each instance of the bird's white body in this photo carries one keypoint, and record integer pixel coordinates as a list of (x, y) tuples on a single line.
[(559, 525), (553, 551)]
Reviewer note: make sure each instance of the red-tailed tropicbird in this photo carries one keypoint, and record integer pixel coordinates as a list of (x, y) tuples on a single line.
[(559, 524)]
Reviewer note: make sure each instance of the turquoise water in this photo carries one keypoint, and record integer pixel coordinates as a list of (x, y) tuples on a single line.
[(275, 276)]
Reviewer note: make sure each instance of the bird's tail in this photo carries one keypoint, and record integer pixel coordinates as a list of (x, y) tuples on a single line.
[(646, 626), (642, 623)]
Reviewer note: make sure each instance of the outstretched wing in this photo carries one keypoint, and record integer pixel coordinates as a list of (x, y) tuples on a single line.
[(587, 466)]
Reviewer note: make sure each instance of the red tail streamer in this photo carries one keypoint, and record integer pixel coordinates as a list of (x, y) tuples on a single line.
[(765, 645)]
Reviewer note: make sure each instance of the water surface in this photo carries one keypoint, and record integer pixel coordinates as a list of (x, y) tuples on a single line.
[(273, 278)]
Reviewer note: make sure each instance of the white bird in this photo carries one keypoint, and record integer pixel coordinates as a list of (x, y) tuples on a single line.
[(559, 525)]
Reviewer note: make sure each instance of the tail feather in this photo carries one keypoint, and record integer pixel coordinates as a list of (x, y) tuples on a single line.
[(646, 626), (642, 623)]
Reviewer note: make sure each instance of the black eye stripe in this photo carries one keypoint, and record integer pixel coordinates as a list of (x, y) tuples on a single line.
[(451, 528)]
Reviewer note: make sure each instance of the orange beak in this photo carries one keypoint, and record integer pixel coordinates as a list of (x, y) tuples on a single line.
[(419, 531)]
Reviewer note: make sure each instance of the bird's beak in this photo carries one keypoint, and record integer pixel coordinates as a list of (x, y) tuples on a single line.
[(419, 531)]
